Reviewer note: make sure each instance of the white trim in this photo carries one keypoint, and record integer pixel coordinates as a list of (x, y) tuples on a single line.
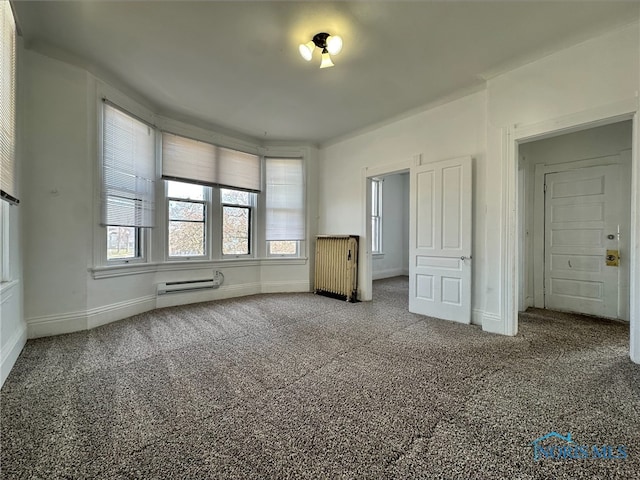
[(365, 262), (5, 287), (492, 323), (85, 320), (286, 287), (387, 273), (476, 317), (111, 313), (507, 320), (11, 351)]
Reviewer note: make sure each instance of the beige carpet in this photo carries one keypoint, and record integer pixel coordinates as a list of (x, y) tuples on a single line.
[(303, 386)]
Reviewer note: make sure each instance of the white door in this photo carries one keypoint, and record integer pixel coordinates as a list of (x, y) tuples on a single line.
[(582, 218), (440, 245)]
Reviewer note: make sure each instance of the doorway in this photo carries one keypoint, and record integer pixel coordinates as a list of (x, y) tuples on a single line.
[(575, 221), (390, 226)]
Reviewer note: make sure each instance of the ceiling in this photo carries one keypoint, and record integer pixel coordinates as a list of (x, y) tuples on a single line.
[(236, 66)]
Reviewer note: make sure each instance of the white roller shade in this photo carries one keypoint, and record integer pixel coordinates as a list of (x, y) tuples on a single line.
[(285, 199), (128, 170), (199, 162), (7, 104)]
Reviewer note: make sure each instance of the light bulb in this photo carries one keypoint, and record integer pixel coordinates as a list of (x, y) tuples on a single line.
[(306, 50), (326, 60), (334, 44)]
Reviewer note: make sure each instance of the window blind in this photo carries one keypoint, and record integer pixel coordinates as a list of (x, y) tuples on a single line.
[(7, 105), (193, 161), (128, 170), (284, 199)]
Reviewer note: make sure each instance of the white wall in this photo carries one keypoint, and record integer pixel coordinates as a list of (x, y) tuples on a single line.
[(13, 329), (59, 159), (394, 260), (592, 75), (570, 83), (63, 290), (451, 130)]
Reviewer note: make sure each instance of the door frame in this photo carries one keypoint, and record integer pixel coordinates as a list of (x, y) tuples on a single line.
[(511, 234), (365, 266)]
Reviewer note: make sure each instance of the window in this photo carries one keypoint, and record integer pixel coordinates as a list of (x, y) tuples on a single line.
[(123, 242), (7, 105), (128, 173), (8, 193), (199, 162), (376, 216), (285, 219), (5, 274), (237, 207), (187, 219)]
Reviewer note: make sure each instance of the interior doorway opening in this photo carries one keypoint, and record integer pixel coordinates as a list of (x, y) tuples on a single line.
[(390, 226), (366, 261), (574, 210)]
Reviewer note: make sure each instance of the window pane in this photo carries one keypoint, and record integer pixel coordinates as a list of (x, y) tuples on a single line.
[(122, 242), (235, 230), (186, 211), (375, 234), (185, 190), (283, 248), (374, 197), (128, 168), (235, 197), (186, 239)]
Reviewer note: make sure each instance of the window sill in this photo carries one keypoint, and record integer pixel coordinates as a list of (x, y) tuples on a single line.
[(8, 285), (377, 255), (111, 271)]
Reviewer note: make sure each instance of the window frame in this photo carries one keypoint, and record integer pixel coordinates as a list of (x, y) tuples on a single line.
[(207, 221), (376, 216), (251, 207), (5, 265), (284, 255), (107, 96), (138, 242), (300, 244)]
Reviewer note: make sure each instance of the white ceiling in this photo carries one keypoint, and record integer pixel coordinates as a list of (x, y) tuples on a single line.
[(235, 65)]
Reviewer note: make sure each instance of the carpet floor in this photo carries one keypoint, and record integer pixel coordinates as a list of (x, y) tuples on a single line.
[(303, 386)]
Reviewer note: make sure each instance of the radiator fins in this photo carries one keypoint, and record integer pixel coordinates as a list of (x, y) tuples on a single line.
[(336, 269)]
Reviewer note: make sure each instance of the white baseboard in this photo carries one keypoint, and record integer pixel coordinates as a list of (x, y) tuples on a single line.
[(388, 273), (112, 313), (75, 321), (476, 317), (493, 323), (95, 317), (286, 287), (10, 352)]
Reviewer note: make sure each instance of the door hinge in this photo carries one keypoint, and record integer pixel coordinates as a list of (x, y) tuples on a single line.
[(545, 188)]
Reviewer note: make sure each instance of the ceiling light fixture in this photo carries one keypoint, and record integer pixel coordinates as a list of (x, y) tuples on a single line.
[(330, 45)]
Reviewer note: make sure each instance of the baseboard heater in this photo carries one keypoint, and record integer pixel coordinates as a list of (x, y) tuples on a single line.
[(336, 266), (190, 285)]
